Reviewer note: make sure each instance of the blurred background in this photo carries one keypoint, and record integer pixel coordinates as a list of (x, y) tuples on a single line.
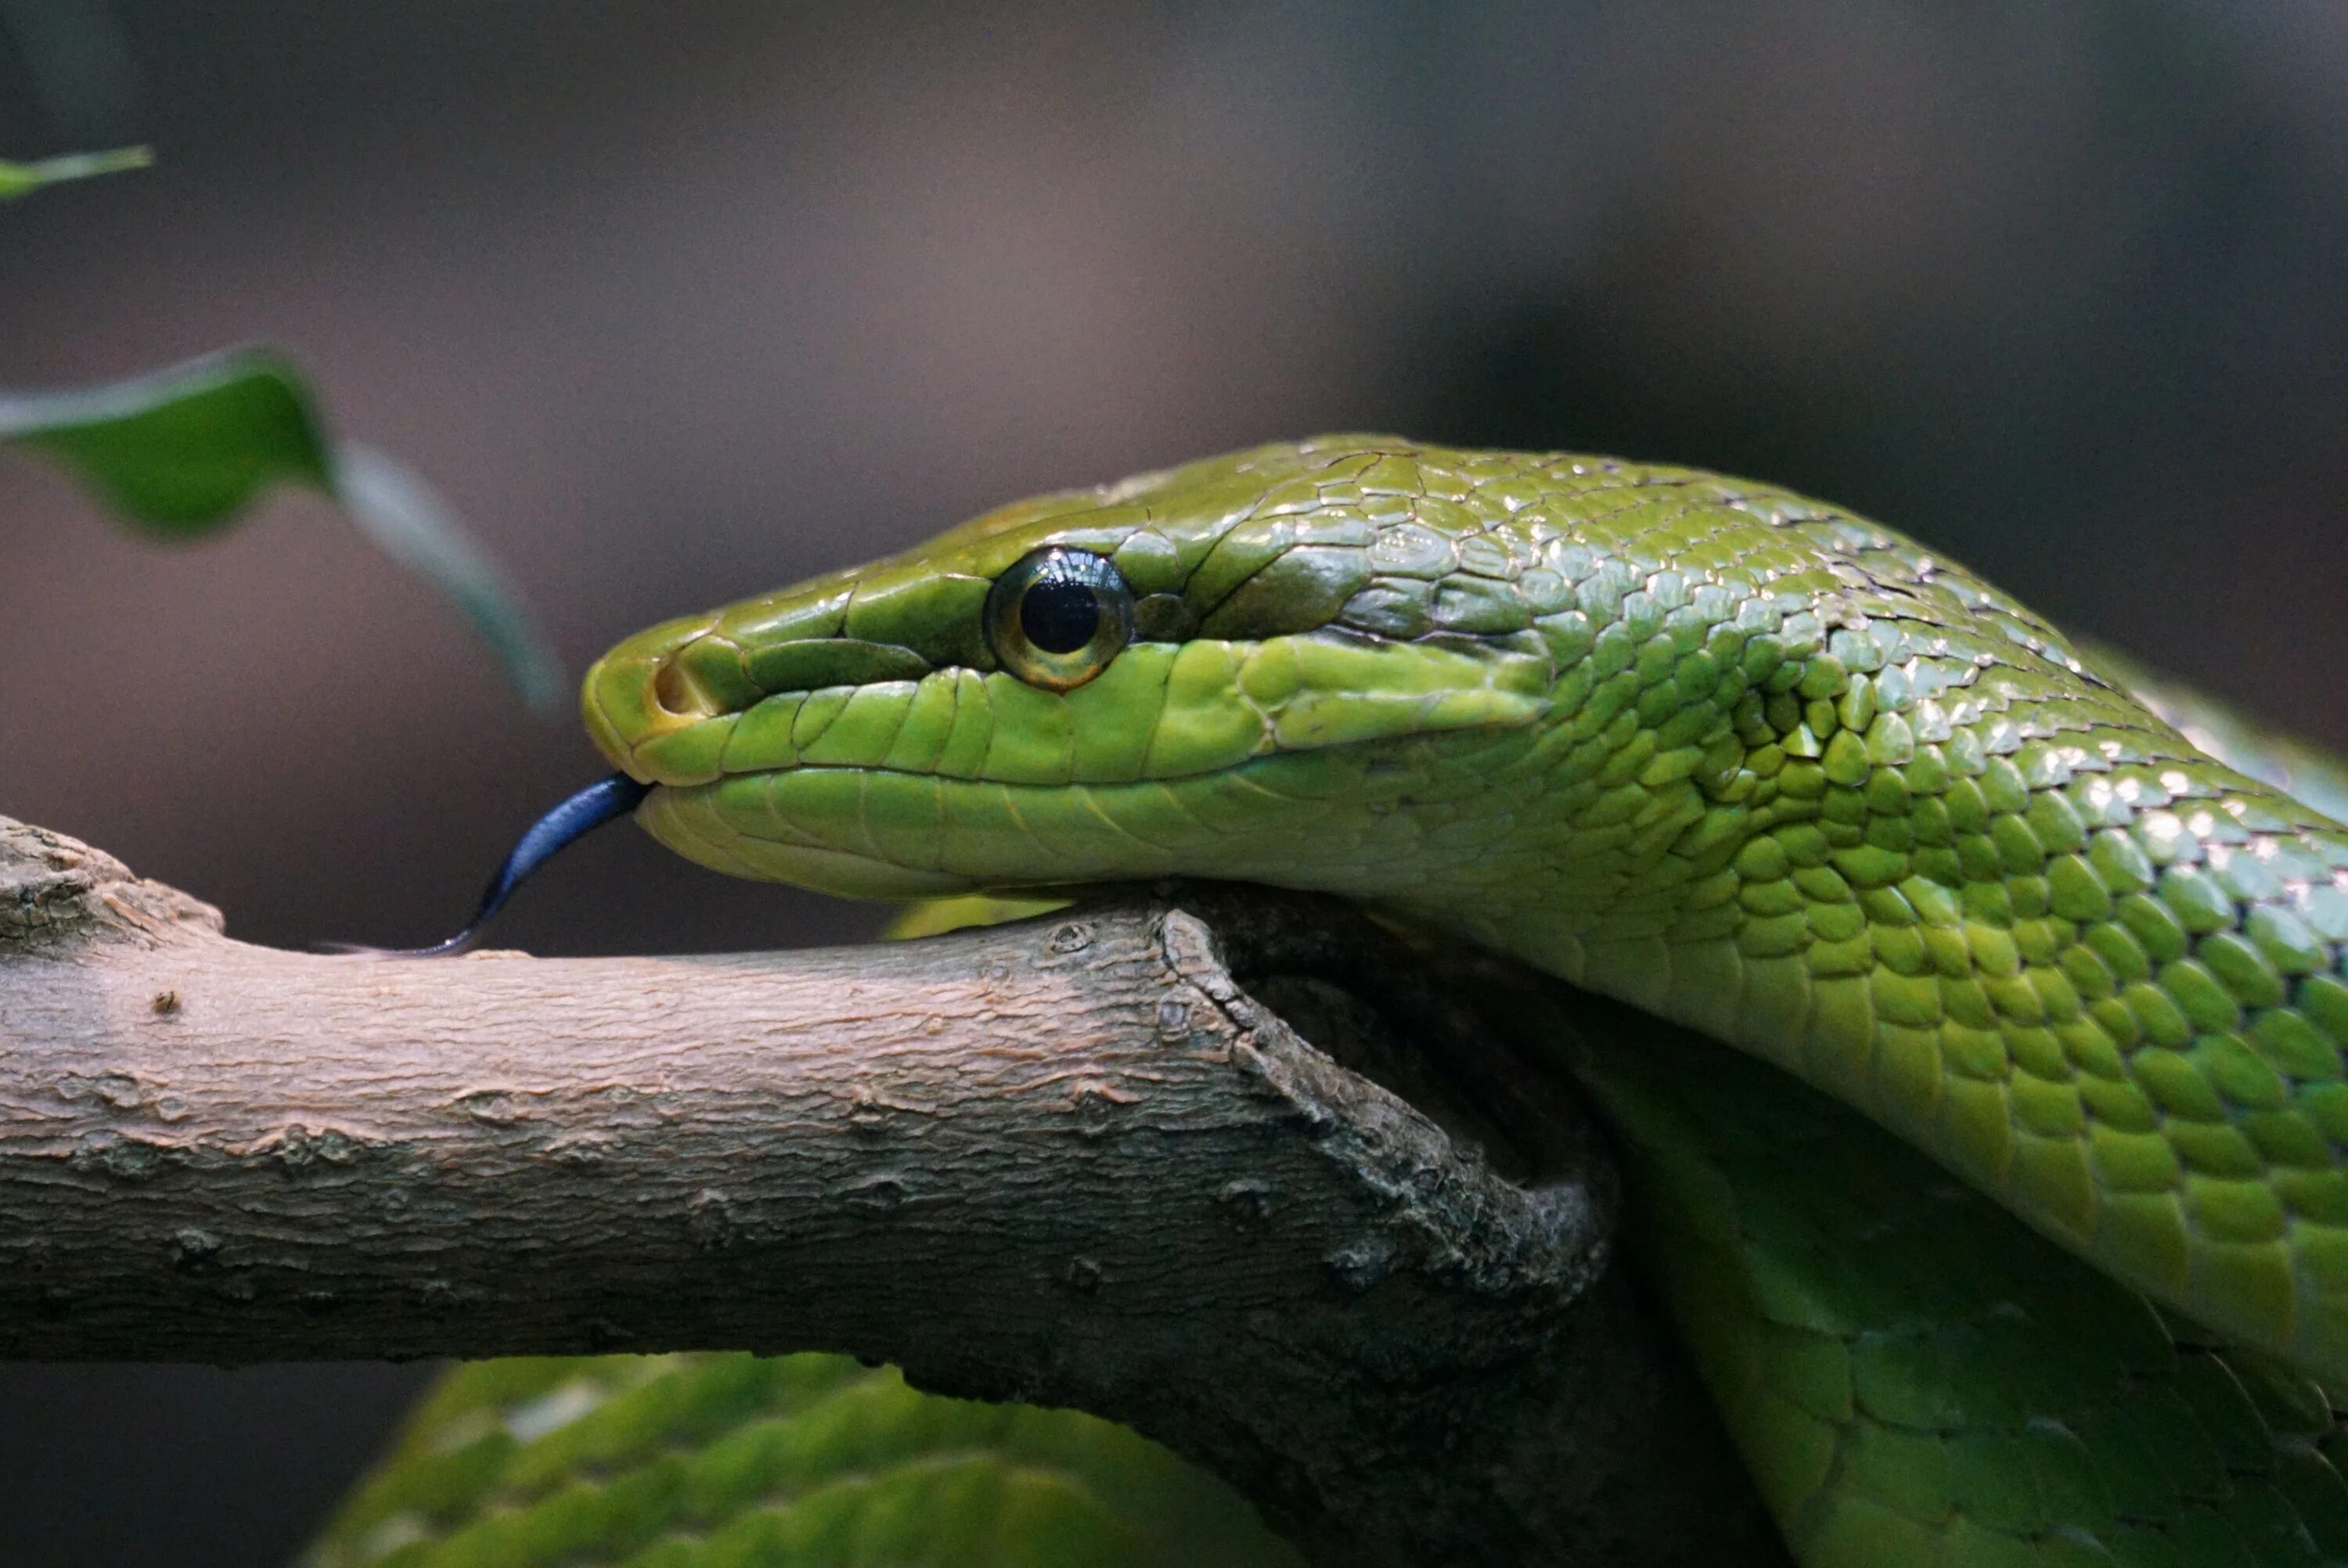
[(679, 302)]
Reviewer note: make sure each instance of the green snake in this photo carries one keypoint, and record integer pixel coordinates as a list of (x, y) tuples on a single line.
[(1745, 760)]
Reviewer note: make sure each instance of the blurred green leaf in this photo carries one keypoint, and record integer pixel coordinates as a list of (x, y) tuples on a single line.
[(183, 451), (24, 179)]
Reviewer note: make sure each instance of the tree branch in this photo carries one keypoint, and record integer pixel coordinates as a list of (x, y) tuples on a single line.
[(1073, 1161)]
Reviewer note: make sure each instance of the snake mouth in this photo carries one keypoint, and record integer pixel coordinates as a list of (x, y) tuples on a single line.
[(683, 704), (864, 768)]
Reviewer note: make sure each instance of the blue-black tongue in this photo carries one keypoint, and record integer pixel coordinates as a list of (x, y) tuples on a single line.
[(566, 825)]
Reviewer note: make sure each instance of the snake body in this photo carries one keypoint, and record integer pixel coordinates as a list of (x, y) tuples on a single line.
[(1963, 903)]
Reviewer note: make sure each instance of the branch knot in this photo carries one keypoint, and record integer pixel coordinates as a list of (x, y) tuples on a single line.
[(54, 889)]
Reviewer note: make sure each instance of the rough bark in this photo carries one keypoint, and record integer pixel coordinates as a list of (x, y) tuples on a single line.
[(1073, 1161)]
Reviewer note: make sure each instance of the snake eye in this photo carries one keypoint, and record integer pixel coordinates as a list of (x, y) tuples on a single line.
[(1058, 616)]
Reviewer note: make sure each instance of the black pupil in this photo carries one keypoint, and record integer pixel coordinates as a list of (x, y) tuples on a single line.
[(1060, 617)]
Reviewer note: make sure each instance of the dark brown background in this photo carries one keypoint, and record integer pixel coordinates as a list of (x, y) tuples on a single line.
[(679, 302)]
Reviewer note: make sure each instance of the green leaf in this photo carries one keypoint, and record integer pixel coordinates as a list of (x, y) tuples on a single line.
[(184, 451), (24, 179)]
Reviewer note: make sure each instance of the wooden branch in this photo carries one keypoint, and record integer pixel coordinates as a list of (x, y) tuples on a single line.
[(1072, 1160)]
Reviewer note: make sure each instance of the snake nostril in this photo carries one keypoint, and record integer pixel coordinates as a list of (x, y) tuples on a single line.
[(675, 693)]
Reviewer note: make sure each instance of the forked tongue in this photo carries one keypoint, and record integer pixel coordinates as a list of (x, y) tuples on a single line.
[(566, 825)]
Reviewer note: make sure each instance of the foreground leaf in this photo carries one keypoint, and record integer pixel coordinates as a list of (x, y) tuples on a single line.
[(24, 179), (183, 451)]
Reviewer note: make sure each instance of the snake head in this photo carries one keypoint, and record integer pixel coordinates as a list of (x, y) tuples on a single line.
[(1179, 673)]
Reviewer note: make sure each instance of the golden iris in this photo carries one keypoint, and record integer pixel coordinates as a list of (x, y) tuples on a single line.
[(1058, 616)]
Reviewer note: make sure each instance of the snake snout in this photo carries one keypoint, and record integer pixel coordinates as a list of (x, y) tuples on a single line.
[(670, 678), (664, 705)]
